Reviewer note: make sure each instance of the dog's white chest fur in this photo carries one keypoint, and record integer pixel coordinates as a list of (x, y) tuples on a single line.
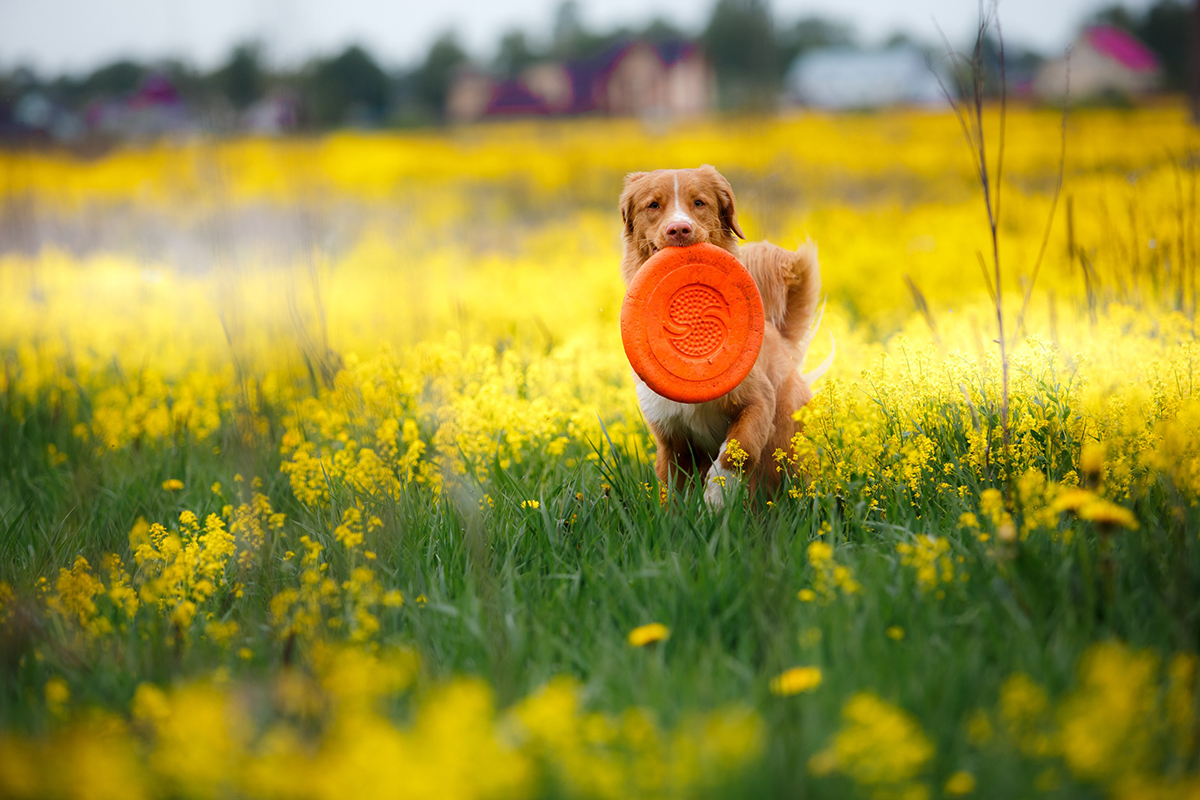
[(701, 424)]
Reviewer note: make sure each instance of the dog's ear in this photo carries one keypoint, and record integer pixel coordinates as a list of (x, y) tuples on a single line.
[(631, 181), (725, 200)]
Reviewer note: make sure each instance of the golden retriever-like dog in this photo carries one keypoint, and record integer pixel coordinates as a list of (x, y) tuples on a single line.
[(680, 207)]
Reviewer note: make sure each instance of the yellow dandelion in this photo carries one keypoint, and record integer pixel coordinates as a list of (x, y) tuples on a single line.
[(807, 595), (960, 783), (648, 634), (895, 633), (1073, 500), (172, 485), (1091, 461), (810, 637), (57, 695), (1106, 513), (796, 680)]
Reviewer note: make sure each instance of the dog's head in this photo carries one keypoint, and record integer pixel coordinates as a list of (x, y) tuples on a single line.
[(678, 207)]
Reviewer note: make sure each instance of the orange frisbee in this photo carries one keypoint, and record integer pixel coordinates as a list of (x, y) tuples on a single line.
[(692, 323)]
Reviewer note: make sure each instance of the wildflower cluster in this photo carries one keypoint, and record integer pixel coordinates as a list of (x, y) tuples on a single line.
[(1129, 720), (425, 398), (396, 421), (323, 731), (828, 577), (880, 747), (931, 560), (83, 599), (181, 570)]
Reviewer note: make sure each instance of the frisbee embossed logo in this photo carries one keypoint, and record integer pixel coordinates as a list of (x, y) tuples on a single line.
[(698, 321), (692, 323)]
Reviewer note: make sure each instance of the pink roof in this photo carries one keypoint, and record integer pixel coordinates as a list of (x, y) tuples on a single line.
[(1122, 47)]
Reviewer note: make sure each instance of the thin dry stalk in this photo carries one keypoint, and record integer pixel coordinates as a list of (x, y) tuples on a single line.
[(919, 300), (1062, 160), (971, 120), (1074, 251)]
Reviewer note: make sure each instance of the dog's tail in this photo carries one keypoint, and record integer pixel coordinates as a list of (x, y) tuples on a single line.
[(790, 283), (803, 279)]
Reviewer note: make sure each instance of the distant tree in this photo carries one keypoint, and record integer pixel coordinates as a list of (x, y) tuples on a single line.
[(190, 83), (9, 92), (349, 85), (568, 35), (1163, 27), (241, 79), (431, 81), (740, 41), (660, 29), (1193, 67), (900, 39), (113, 80), (1116, 15), (812, 33), (514, 54)]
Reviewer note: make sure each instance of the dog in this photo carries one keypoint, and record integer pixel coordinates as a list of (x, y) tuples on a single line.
[(676, 208)]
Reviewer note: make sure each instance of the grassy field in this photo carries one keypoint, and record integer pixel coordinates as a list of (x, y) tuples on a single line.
[(322, 473)]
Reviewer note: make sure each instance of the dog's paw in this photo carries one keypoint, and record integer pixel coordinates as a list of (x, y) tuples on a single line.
[(718, 480)]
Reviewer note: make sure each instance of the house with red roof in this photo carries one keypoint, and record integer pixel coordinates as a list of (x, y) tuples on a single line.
[(632, 78), (1103, 61)]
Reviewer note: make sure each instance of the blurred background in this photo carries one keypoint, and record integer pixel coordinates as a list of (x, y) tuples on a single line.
[(88, 75)]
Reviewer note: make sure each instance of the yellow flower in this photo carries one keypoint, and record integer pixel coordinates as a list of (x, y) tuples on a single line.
[(895, 633), (796, 680), (828, 576), (809, 637), (530, 504), (1108, 514), (930, 557), (1087, 505), (648, 634), (737, 455), (979, 728), (57, 695), (1106, 726), (172, 485), (1073, 500), (879, 746), (960, 783), (1091, 461)]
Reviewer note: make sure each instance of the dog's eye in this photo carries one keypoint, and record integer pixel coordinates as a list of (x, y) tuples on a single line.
[(653, 204), (699, 204)]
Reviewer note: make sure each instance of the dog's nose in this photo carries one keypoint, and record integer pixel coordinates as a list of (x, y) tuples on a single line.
[(679, 232)]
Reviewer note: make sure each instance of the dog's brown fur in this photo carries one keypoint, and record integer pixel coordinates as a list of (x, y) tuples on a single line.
[(692, 438)]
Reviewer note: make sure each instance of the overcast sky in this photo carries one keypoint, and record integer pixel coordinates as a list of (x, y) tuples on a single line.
[(77, 35)]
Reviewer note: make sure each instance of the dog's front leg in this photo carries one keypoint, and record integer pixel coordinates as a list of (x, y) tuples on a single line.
[(665, 465), (750, 429), (675, 462)]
